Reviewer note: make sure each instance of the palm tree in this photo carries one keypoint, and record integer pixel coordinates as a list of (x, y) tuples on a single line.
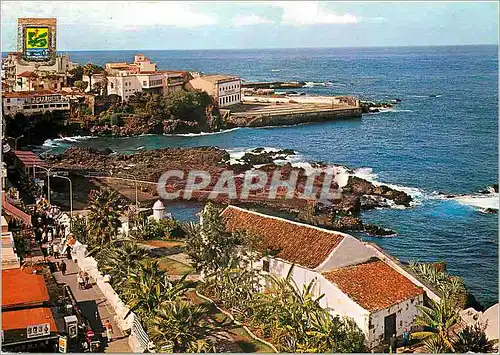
[(184, 326), (437, 321), (90, 69), (119, 262), (103, 218), (148, 287)]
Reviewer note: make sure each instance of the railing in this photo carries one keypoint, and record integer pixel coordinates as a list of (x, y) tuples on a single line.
[(138, 331)]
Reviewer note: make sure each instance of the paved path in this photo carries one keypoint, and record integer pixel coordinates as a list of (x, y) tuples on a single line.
[(91, 300)]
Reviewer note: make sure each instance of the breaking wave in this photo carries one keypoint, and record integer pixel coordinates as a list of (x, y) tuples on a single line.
[(59, 142), (201, 134)]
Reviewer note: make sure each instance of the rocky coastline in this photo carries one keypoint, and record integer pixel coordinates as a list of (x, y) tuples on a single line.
[(340, 214)]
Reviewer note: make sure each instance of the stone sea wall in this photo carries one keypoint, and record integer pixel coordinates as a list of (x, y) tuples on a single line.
[(291, 118)]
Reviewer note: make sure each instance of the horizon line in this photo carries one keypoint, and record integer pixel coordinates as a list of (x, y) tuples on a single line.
[(273, 48)]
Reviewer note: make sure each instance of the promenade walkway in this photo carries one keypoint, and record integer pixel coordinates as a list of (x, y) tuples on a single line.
[(95, 308)]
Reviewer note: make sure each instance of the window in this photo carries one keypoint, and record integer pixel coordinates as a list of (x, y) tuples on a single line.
[(144, 83), (8, 100), (7, 108), (265, 265), (112, 85)]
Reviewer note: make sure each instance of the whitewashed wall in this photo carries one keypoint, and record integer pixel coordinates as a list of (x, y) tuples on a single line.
[(406, 313), (350, 251)]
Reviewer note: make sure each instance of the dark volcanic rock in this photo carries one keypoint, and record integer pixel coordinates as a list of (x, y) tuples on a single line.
[(360, 186), (348, 223), (377, 231)]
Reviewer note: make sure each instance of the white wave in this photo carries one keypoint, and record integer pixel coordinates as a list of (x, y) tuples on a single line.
[(480, 201), (140, 148), (235, 155), (275, 69), (310, 84), (57, 142), (202, 133)]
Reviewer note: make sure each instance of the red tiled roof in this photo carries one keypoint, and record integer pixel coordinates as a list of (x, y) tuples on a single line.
[(28, 74), (294, 242), (21, 287), (28, 158), (23, 318), (373, 285), (30, 93)]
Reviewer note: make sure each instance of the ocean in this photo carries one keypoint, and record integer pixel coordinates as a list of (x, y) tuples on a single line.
[(442, 137)]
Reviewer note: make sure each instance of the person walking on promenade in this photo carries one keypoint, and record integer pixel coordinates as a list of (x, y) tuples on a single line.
[(406, 337), (56, 250), (393, 344), (86, 279), (68, 252), (81, 281), (63, 268), (109, 330)]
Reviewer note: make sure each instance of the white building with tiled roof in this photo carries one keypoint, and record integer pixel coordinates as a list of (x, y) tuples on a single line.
[(356, 279)]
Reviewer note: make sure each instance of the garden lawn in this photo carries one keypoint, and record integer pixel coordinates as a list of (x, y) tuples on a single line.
[(174, 267)]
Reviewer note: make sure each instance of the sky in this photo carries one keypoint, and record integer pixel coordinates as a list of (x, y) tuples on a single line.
[(112, 25)]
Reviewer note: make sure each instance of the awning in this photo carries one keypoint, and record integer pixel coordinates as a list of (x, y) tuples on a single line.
[(14, 212), (29, 159)]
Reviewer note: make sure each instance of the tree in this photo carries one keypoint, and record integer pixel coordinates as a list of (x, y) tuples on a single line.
[(184, 326), (76, 73), (104, 214), (472, 338), (148, 287), (82, 85), (79, 229), (437, 321), (119, 261), (210, 246), (90, 69)]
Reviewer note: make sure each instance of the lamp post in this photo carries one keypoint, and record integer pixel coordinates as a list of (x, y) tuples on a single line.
[(70, 195), (135, 181), (15, 140), (48, 180)]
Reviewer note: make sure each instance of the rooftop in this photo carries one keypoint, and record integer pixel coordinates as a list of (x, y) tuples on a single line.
[(22, 318), (16, 94), (28, 74), (28, 158), (373, 285), (288, 238), (216, 78), (20, 287)]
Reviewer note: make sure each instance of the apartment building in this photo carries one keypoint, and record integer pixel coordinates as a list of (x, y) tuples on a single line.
[(34, 102), (224, 89), (125, 79)]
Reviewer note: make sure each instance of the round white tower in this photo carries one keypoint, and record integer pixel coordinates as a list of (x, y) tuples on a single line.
[(158, 210)]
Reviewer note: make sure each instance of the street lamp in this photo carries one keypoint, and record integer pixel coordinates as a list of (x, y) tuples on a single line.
[(48, 180), (70, 195), (135, 181), (15, 140)]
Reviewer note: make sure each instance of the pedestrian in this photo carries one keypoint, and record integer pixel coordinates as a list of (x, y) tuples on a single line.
[(406, 337), (80, 280), (109, 330), (56, 250), (63, 268), (49, 235), (44, 235), (86, 278), (68, 252), (393, 342)]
